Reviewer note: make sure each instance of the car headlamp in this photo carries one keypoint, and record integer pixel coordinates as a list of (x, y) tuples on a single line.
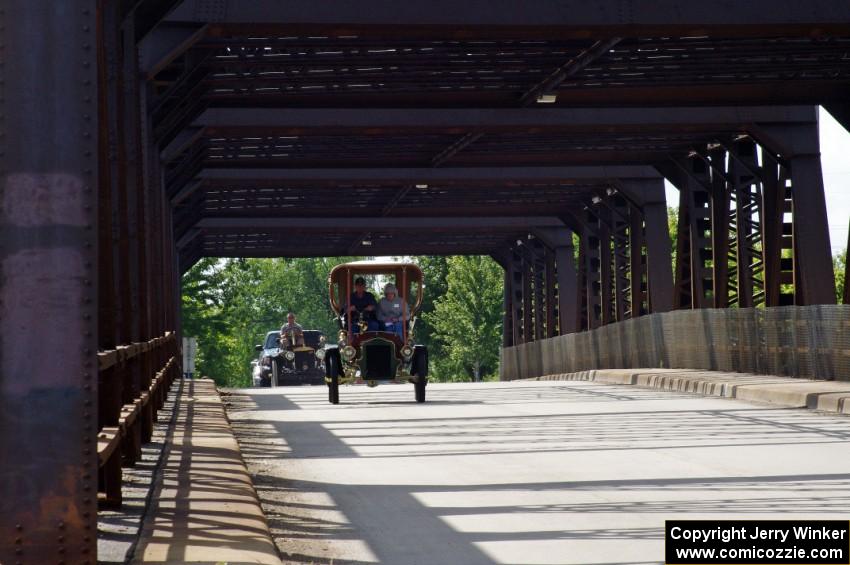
[(349, 352), (266, 361), (290, 355), (320, 354), (407, 352)]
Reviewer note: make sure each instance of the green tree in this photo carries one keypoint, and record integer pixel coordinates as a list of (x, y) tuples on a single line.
[(467, 318), (434, 272), (838, 263), (673, 229), (230, 304)]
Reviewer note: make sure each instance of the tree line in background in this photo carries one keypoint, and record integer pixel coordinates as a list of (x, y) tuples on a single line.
[(230, 305)]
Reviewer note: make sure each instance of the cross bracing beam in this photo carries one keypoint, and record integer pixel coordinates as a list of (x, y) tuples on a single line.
[(165, 44), (492, 223), (739, 18), (298, 251), (424, 174), (295, 121), (148, 14)]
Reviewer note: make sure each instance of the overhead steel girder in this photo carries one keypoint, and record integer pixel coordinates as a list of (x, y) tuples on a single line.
[(425, 175), (339, 251), (673, 16), (293, 121), (165, 44), (494, 223), (148, 14)]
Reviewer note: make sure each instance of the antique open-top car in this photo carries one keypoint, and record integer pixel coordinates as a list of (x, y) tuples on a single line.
[(286, 360), (367, 353)]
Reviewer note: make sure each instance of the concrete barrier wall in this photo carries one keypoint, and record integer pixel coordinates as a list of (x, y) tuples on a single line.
[(796, 341)]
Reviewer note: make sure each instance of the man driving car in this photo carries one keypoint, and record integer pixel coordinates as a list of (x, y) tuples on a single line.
[(289, 330), (361, 302)]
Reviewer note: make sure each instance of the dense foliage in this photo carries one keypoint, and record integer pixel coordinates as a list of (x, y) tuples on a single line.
[(838, 263), (467, 319), (229, 305)]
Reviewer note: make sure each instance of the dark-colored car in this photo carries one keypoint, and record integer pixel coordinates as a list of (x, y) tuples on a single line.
[(373, 357), (292, 365)]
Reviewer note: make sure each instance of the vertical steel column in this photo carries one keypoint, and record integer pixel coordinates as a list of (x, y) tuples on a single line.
[(657, 265), (566, 299), (130, 236), (569, 295), (811, 231), (110, 382), (527, 317), (622, 264), (720, 203), (551, 292), (516, 298), (507, 318), (693, 275), (48, 281), (606, 281), (637, 264), (773, 196), (659, 278), (584, 292), (538, 269), (743, 163), (590, 244), (740, 189)]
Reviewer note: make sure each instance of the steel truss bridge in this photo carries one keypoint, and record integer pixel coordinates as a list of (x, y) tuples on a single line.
[(138, 136)]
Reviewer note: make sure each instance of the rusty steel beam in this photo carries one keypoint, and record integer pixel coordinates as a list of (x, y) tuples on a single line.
[(294, 121), (516, 298), (414, 175), (146, 15), (811, 230), (507, 319), (165, 44), (638, 305), (335, 251), (48, 288), (638, 16), (575, 65), (494, 223), (560, 241)]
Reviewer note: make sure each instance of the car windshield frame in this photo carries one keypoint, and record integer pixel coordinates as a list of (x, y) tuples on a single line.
[(341, 281), (272, 340)]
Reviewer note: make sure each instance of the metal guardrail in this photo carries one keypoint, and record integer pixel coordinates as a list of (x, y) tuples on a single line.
[(133, 383), (795, 341)]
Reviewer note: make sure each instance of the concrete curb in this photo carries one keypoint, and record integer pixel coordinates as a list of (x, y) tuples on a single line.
[(826, 396), (205, 508)]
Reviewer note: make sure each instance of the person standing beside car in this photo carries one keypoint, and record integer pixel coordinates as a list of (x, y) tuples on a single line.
[(291, 330), (392, 310)]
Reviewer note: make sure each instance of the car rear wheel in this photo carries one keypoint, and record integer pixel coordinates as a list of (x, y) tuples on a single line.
[(332, 371)]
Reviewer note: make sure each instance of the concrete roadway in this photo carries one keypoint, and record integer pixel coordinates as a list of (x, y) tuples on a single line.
[(525, 472)]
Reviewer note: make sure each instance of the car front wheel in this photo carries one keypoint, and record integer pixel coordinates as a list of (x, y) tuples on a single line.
[(332, 369)]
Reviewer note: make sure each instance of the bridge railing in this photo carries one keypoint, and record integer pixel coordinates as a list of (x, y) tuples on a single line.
[(797, 341), (133, 381)]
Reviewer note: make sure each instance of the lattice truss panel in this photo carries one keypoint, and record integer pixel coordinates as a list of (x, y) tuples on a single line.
[(257, 67)]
